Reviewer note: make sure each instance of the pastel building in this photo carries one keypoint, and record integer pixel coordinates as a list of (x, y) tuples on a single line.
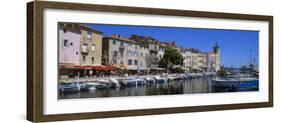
[(91, 47), (79, 45), (187, 55), (69, 45), (194, 59), (121, 52), (143, 57), (150, 47)]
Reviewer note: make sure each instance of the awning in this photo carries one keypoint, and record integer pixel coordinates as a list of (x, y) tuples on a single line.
[(106, 68), (157, 68), (141, 68), (89, 67), (132, 68)]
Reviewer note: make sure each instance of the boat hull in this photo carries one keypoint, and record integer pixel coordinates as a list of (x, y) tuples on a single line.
[(237, 84)]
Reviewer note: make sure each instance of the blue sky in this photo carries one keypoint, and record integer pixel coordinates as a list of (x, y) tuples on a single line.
[(235, 45)]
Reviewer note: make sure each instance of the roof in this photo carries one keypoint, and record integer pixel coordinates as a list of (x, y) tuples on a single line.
[(76, 27), (120, 39)]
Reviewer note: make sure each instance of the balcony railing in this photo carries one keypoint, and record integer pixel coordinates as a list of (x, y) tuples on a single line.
[(122, 47), (84, 50)]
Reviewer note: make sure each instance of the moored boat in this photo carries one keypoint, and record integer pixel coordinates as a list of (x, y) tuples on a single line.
[(150, 80), (237, 81), (114, 83), (133, 81), (160, 79), (69, 87)]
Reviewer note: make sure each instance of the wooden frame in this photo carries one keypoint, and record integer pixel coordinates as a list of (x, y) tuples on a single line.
[(35, 60)]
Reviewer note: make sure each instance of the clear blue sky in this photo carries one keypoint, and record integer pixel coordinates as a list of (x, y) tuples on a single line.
[(235, 45)]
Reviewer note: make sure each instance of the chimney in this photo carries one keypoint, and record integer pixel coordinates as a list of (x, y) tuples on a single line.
[(116, 35)]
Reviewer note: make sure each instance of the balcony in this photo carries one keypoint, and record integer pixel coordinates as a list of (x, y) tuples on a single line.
[(122, 48), (153, 50), (84, 49)]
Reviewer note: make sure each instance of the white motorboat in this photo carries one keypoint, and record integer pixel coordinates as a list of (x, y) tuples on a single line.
[(160, 79), (133, 81), (150, 80)]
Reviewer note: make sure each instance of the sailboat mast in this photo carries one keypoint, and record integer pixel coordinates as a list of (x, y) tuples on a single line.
[(250, 57)]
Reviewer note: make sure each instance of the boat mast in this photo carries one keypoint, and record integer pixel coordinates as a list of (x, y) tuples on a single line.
[(250, 57)]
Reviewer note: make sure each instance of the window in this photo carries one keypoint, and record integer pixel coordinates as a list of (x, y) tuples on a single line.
[(65, 43), (115, 53), (93, 47), (136, 62), (155, 47), (71, 44), (89, 35), (122, 44), (113, 42), (136, 46), (84, 47), (121, 62), (76, 53), (129, 53), (141, 54), (64, 30), (130, 62), (93, 59), (84, 58), (160, 56)]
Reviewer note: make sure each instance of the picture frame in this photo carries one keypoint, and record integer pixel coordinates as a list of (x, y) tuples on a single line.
[(35, 60)]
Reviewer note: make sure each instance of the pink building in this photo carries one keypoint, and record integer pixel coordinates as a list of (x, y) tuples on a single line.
[(69, 45)]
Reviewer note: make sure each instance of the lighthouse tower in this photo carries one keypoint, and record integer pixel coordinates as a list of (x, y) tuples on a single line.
[(216, 54)]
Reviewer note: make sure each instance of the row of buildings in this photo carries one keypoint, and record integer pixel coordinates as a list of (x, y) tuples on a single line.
[(85, 49)]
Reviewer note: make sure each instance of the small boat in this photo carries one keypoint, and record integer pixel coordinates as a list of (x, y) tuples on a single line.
[(192, 75), (150, 80), (114, 83), (128, 81), (141, 81), (69, 87), (188, 75), (236, 81), (199, 75), (91, 86), (83, 86), (181, 76), (160, 79), (102, 85), (171, 78)]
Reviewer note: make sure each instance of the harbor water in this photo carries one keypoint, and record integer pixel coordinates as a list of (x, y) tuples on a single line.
[(191, 86)]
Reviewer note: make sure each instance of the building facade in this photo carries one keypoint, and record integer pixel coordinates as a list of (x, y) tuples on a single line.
[(121, 52), (69, 45), (91, 47), (79, 45), (194, 59)]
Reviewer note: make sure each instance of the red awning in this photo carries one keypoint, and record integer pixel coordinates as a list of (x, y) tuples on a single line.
[(89, 67), (106, 68)]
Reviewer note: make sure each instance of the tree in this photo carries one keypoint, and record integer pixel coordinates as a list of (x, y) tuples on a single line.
[(150, 60), (171, 57)]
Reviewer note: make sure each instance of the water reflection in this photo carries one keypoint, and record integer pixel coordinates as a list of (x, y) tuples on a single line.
[(200, 85)]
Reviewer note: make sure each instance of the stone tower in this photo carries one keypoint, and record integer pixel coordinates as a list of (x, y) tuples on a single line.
[(216, 52)]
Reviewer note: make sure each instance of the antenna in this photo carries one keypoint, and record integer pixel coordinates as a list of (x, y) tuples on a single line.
[(254, 60), (250, 57)]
